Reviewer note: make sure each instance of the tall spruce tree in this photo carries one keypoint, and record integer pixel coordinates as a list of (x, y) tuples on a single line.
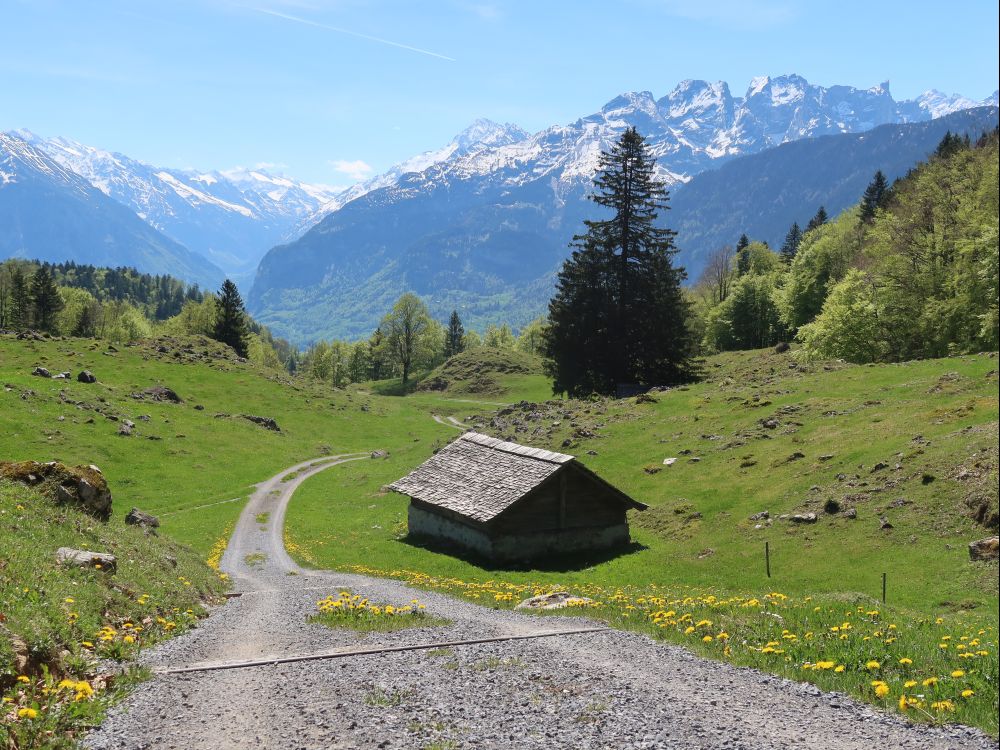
[(45, 300), (742, 255), (453, 340), (618, 317), (791, 244), (818, 220), (20, 301), (873, 197), (231, 325)]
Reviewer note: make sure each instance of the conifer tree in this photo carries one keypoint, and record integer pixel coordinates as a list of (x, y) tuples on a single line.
[(453, 343), (376, 355), (45, 299), (618, 316), (85, 324), (791, 245), (742, 256), (951, 144), (873, 196), (818, 220), (20, 301), (231, 319)]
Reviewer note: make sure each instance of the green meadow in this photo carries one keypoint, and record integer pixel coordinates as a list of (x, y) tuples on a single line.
[(910, 449)]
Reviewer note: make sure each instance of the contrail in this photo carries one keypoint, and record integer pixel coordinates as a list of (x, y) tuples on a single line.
[(339, 30)]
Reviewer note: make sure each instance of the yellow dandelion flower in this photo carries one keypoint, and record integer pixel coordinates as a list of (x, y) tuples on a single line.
[(881, 690), (906, 661), (958, 673), (910, 683), (873, 665), (968, 693), (27, 713), (839, 668), (23, 678)]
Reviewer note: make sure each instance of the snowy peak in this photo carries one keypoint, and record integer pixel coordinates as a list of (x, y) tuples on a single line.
[(779, 91), (696, 100), (22, 161), (483, 133), (938, 104), (232, 217)]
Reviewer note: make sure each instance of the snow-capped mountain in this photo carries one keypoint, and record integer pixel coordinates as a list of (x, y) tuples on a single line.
[(473, 226), (481, 134), (231, 217), (49, 212)]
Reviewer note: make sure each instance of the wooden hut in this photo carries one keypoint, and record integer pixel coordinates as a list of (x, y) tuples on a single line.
[(507, 502)]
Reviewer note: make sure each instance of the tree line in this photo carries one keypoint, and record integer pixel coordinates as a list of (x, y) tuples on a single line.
[(407, 341)]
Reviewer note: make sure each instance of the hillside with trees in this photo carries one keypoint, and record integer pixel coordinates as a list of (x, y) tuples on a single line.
[(909, 272)]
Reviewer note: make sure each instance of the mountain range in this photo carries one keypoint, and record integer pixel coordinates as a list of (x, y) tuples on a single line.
[(484, 231), (231, 217), (49, 212), (480, 224)]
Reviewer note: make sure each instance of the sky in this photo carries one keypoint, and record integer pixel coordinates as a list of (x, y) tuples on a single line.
[(333, 91)]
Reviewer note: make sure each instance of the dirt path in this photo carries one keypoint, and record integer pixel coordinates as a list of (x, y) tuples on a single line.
[(449, 422), (595, 690)]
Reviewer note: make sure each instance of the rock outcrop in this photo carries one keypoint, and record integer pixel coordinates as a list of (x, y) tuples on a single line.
[(138, 517), (82, 486), (82, 558), (984, 549)]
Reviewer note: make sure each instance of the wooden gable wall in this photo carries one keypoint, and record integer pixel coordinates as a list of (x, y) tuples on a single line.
[(571, 499)]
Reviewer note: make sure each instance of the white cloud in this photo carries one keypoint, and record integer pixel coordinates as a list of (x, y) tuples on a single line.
[(357, 170)]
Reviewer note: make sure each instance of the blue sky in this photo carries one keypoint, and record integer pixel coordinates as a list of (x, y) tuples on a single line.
[(332, 90)]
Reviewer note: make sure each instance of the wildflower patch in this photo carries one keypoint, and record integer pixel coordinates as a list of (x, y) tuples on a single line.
[(347, 610)]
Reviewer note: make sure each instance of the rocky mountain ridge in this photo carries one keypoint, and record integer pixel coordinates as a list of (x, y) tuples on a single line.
[(478, 230), (49, 212)]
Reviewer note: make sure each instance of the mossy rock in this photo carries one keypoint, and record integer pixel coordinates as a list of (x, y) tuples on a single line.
[(82, 486)]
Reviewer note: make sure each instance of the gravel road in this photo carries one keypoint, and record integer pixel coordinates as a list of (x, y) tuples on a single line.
[(606, 689)]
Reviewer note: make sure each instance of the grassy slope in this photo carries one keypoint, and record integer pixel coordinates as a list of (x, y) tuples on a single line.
[(341, 518), (874, 414), (54, 618), (199, 459), (482, 375)]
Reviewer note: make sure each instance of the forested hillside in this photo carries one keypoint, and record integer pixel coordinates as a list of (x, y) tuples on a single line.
[(910, 272), (120, 305)]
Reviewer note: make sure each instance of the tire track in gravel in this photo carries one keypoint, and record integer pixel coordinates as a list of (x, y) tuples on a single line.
[(607, 689)]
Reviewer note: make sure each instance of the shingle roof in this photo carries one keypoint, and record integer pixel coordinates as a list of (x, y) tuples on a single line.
[(478, 476)]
